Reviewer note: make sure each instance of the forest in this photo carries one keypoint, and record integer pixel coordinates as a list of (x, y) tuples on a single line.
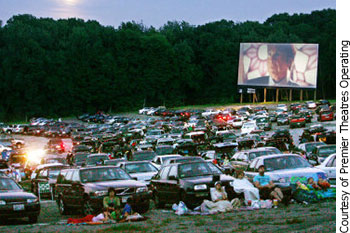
[(70, 66)]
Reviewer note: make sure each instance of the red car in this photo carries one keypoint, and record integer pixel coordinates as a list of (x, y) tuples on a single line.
[(326, 116), (297, 121)]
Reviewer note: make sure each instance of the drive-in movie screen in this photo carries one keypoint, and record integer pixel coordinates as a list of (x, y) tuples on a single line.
[(278, 65)]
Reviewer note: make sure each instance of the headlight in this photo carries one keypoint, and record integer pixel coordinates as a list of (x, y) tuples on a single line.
[(200, 187), (32, 200), (100, 193), (141, 190), (231, 183), (2, 202)]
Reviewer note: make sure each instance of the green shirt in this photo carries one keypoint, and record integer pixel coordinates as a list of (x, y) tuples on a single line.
[(107, 201)]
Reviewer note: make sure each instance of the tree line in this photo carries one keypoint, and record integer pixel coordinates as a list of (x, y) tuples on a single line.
[(70, 66)]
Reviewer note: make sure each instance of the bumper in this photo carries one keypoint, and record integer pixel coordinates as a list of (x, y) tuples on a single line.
[(297, 124), (139, 199), (7, 211)]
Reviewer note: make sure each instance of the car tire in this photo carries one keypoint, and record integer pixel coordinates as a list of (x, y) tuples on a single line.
[(33, 219), (87, 208), (9, 132), (157, 202), (62, 208)]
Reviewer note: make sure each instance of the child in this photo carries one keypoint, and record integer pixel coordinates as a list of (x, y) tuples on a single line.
[(301, 186), (323, 184), (102, 217), (312, 184)]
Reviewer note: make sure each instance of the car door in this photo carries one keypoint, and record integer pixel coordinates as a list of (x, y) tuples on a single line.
[(172, 186), (67, 188), (330, 169), (77, 191), (162, 184), (40, 178)]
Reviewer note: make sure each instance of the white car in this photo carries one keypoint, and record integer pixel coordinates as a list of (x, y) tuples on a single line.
[(160, 159), (144, 110), (210, 112), (283, 107), (142, 171), (310, 104), (236, 122), (328, 166), (249, 127)]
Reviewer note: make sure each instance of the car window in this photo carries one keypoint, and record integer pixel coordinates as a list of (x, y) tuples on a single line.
[(331, 162), (75, 176), (103, 174), (8, 184), (61, 177), (334, 162), (214, 169), (173, 171), (164, 173), (42, 174), (68, 177), (194, 169)]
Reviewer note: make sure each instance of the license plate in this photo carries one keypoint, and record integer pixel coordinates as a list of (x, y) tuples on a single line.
[(124, 199), (18, 207)]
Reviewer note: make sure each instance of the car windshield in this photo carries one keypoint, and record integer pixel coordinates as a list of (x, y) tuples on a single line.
[(311, 146), (228, 135), (188, 160), (96, 159), (8, 184), (164, 150), (143, 156), (248, 125), (325, 151), (140, 168), (103, 174), (253, 155), (54, 173), (286, 162), (194, 169), (169, 157)]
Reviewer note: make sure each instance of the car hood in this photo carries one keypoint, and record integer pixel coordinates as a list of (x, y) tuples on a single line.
[(205, 179), (298, 172), (104, 185), (16, 195), (143, 176)]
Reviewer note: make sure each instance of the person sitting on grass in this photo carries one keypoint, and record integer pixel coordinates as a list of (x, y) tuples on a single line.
[(112, 203), (267, 189), (104, 216)]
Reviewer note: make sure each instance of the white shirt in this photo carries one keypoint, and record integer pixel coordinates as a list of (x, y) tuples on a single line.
[(98, 218)]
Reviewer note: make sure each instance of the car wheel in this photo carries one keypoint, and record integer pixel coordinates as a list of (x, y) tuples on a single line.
[(62, 207), (9, 132), (157, 201), (33, 219), (87, 208)]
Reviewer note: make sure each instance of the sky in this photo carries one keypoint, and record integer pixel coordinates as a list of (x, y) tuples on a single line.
[(158, 12)]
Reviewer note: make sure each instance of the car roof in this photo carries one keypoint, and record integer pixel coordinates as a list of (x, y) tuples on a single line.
[(171, 155)]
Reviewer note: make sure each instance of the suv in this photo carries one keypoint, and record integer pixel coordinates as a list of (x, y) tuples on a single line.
[(85, 188)]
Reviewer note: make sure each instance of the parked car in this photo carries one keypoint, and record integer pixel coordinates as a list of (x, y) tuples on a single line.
[(248, 127), (297, 121), (310, 104), (308, 147), (323, 102), (242, 159), (85, 188), (142, 171), (47, 173), (164, 150), (183, 159), (282, 119), (283, 107), (285, 169), (263, 123), (325, 116), (16, 203), (143, 156), (321, 152), (56, 145), (188, 182), (329, 167), (160, 159), (96, 159)]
